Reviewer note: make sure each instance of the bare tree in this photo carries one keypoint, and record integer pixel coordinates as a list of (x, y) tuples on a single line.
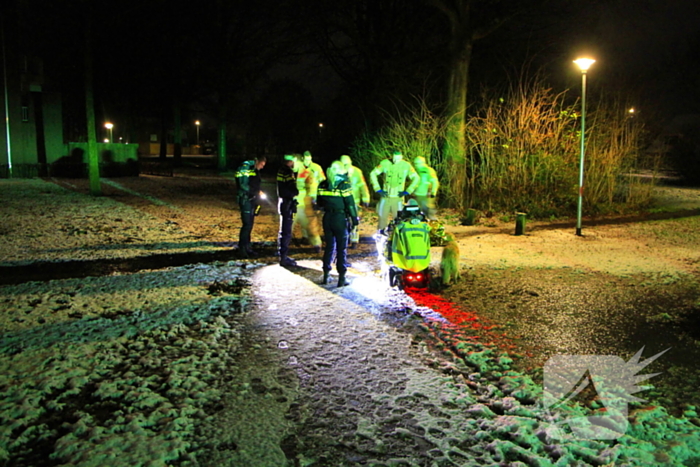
[(469, 21), (381, 49)]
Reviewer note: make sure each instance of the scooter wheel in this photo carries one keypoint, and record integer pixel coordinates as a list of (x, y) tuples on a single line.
[(392, 277)]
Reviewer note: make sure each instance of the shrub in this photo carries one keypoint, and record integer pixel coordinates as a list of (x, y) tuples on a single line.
[(524, 152)]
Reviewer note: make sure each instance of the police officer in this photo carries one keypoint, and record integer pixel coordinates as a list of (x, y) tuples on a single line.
[(335, 198), (286, 206), (248, 182), (394, 189), (360, 193), (427, 188)]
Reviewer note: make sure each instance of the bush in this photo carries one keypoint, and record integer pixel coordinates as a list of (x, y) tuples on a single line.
[(684, 156), (524, 153), (416, 132)]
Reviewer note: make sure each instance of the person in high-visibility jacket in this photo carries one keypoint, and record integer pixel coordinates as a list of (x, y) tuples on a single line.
[(427, 188), (394, 189), (339, 210), (360, 193), (248, 182), (308, 179), (314, 167)]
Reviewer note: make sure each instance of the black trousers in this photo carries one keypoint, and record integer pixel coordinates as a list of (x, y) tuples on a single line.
[(286, 209), (247, 221), (335, 234)]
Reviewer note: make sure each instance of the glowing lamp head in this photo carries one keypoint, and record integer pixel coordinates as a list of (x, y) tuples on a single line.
[(584, 63)]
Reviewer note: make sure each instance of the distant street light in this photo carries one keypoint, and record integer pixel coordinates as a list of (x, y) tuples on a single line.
[(109, 126), (584, 64), (320, 129), (197, 123)]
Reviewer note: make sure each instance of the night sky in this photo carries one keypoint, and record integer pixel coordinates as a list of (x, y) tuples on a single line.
[(147, 53)]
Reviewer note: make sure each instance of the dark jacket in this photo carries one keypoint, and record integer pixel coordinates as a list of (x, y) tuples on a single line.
[(248, 181), (286, 183), (337, 200)]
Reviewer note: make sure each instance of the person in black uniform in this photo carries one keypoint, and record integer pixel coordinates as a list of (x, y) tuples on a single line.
[(286, 207), (335, 199), (248, 181)]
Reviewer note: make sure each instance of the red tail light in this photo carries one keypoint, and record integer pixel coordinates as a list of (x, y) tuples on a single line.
[(414, 277)]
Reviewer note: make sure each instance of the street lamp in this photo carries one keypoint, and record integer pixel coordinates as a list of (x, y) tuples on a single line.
[(109, 126), (320, 129), (197, 123), (584, 64)]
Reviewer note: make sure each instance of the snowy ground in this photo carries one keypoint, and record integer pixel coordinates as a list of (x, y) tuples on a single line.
[(247, 364)]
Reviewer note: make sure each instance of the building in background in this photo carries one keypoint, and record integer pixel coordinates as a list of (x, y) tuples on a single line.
[(31, 130)]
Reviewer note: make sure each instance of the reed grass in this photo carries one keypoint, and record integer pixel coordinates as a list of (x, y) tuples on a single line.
[(523, 153)]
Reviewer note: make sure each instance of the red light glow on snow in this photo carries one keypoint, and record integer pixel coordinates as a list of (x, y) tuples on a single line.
[(458, 316)]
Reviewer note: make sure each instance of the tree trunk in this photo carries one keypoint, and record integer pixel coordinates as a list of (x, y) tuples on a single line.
[(163, 153), (455, 148), (93, 157), (177, 137), (459, 17), (221, 158)]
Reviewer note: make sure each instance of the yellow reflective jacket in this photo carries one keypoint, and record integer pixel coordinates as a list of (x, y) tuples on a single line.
[(429, 182), (395, 176), (360, 190), (307, 184), (410, 245)]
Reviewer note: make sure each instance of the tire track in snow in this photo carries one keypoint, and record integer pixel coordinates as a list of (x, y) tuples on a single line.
[(365, 394)]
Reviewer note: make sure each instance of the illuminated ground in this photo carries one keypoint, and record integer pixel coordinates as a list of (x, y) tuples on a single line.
[(233, 363)]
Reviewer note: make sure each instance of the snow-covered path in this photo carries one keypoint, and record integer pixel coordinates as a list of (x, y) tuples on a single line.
[(327, 383), (365, 393)]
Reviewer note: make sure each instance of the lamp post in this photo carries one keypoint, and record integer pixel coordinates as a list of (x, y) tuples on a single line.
[(584, 64), (109, 126), (320, 129), (196, 124)]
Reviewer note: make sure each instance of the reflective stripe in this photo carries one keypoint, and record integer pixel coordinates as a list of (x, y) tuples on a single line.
[(336, 193), (410, 246), (245, 173), (285, 178)]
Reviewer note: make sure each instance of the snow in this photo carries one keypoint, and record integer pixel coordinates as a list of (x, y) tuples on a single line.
[(240, 363)]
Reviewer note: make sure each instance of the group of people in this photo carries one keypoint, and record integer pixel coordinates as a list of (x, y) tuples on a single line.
[(303, 189)]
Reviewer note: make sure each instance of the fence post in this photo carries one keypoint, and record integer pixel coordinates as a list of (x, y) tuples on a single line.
[(520, 223), (470, 218)]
